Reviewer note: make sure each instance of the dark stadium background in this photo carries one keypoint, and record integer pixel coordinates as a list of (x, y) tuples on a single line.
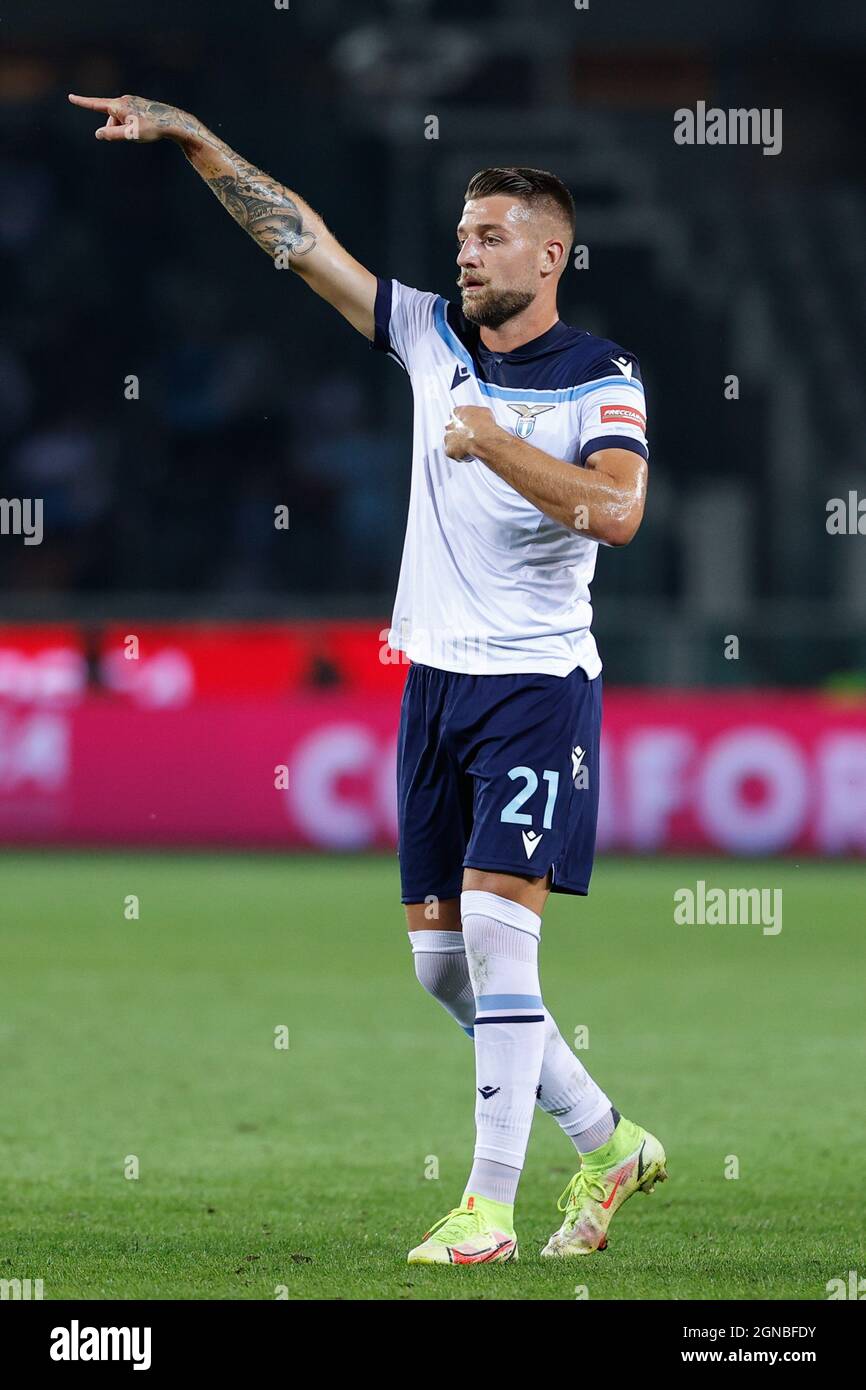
[(704, 261)]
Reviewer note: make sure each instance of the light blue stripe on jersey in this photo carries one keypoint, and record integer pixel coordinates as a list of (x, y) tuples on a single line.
[(508, 1001), (505, 393)]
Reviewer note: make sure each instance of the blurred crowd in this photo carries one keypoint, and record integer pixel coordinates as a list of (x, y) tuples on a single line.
[(158, 391), (163, 388)]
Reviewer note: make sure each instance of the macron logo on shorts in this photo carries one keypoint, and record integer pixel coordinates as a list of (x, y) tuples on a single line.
[(531, 841)]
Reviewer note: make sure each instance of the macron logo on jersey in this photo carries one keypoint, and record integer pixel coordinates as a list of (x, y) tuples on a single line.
[(462, 374), (624, 365)]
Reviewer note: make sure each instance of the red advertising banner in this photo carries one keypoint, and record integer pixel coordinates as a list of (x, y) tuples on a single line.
[(168, 665), (740, 774)]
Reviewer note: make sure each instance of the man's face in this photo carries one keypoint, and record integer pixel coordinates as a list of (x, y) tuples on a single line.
[(501, 252)]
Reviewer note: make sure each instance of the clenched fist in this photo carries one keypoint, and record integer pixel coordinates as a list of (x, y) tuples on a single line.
[(469, 431), (136, 118)]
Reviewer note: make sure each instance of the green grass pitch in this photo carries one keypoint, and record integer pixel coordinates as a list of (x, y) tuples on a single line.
[(303, 1168)]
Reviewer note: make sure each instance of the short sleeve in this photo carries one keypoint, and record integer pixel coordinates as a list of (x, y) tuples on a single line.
[(613, 407), (403, 317)]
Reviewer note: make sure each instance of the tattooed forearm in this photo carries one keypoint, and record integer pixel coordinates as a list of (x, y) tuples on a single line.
[(275, 222), (277, 218), (278, 221), (166, 118)]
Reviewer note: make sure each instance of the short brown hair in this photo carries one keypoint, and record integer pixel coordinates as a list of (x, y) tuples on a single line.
[(532, 186)]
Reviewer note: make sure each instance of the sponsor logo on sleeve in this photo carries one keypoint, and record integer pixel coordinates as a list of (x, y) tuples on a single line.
[(623, 415)]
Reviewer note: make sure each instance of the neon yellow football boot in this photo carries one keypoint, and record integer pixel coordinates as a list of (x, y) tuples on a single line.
[(631, 1161), (478, 1232)]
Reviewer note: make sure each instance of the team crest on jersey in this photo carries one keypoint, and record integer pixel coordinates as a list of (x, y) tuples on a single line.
[(526, 424)]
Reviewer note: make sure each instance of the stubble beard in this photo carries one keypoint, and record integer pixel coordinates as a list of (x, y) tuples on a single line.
[(492, 309)]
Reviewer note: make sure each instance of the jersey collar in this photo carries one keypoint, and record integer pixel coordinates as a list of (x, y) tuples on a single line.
[(534, 348)]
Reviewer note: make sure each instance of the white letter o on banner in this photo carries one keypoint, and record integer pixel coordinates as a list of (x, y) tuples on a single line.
[(732, 822)]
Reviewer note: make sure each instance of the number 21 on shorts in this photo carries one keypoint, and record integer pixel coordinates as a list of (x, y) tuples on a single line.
[(512, 814)]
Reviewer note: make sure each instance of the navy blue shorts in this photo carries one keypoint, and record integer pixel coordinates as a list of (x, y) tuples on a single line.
[(497, 773)]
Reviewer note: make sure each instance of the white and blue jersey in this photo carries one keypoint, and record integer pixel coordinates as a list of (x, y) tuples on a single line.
[(498, 753), (488, 583)]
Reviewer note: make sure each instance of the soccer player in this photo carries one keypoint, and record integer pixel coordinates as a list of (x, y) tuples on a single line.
[(529, 451)]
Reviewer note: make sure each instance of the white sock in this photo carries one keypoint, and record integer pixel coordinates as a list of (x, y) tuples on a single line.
[(501, 940), (440, 965), (495, 1181), (567, 1091)]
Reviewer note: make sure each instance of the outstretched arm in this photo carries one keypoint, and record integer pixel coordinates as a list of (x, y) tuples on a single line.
[(276, 217)]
